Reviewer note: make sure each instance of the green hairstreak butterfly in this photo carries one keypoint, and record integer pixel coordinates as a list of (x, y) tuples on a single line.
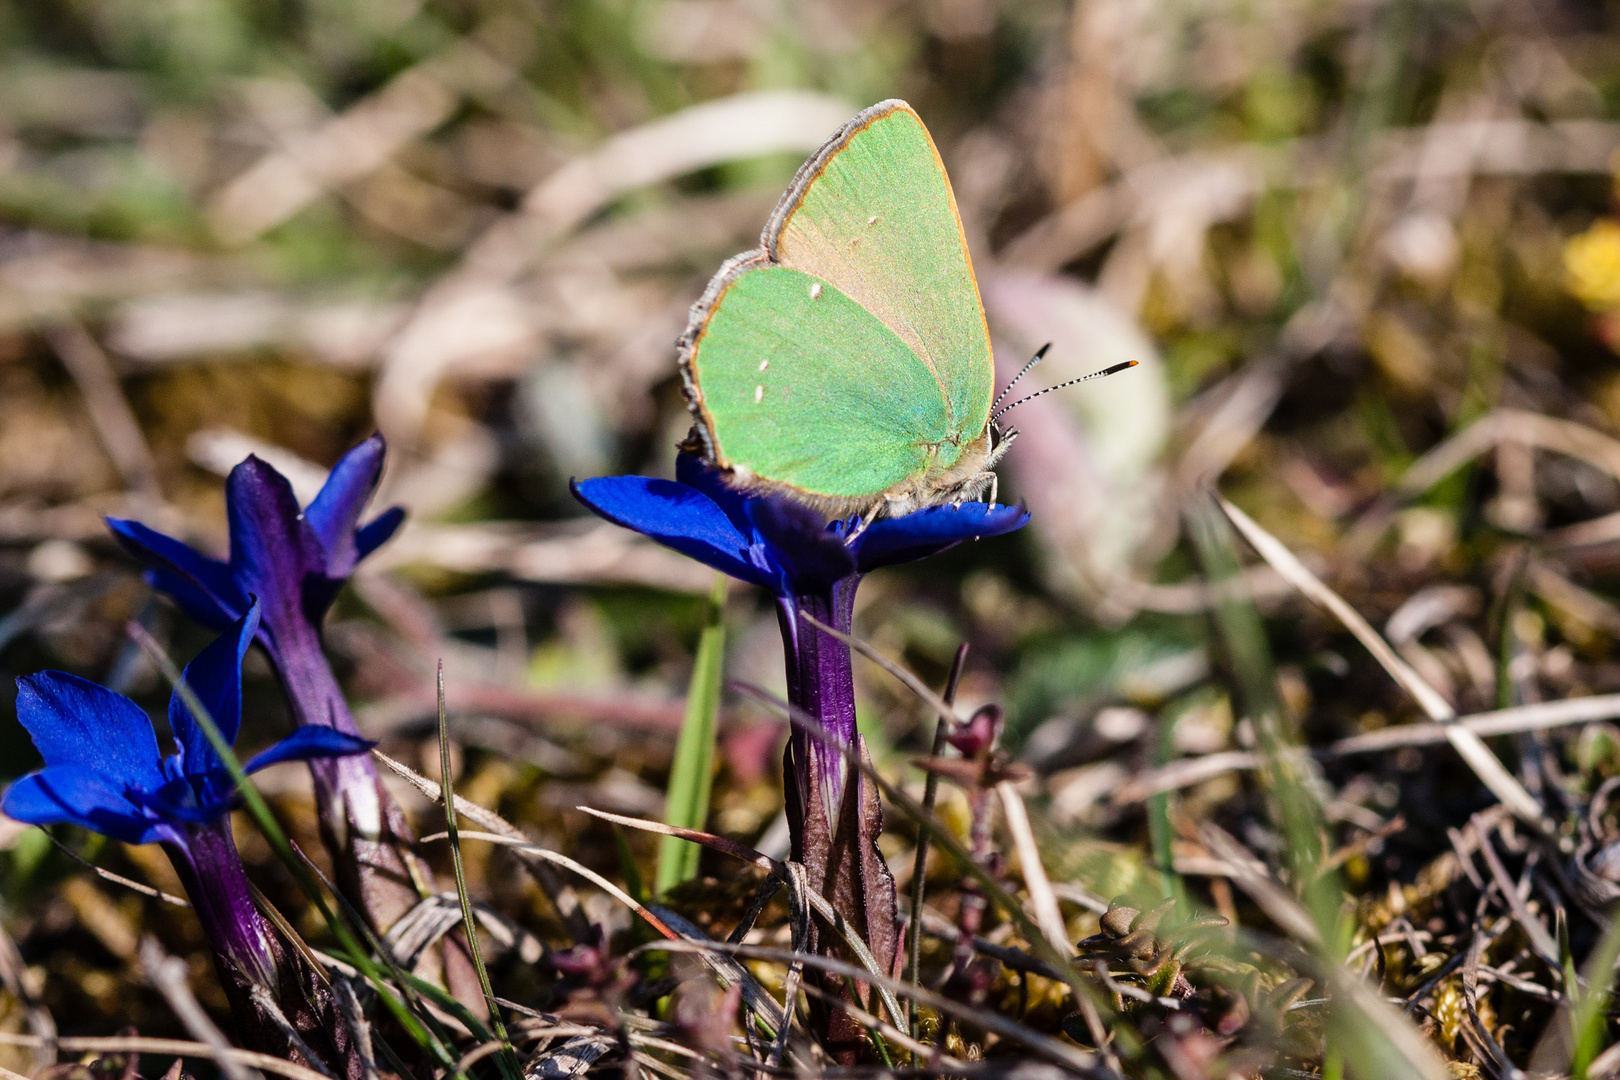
[(846, 361)]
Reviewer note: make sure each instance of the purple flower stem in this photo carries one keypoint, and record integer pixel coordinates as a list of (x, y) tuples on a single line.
[(372, 844), (211, 870), (834, 815), (821, 681), (250, 957)]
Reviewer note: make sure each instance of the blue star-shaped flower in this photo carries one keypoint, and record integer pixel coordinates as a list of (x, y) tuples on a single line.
[(102, 766), (293, 560), (813, 567), (774, 542), (103, 772)]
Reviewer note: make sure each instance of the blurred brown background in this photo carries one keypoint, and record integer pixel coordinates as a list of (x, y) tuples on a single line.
[(1335, 233)]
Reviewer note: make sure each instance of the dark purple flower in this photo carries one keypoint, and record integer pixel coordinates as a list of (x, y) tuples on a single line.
[(103, 772), (295, 561), (813, 567)]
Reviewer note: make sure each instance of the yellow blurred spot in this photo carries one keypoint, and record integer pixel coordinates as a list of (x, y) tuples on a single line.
[(1592, 262), (1401, 353)]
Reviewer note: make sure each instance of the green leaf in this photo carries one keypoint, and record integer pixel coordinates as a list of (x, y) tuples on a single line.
[(692, 776)]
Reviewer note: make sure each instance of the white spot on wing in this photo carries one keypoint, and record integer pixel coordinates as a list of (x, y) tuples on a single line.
[(759, 394)]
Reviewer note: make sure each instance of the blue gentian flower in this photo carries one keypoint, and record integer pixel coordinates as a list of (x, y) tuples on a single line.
[(809, 564), (103, 772), (295, 561), (812, 566), (774, 542)]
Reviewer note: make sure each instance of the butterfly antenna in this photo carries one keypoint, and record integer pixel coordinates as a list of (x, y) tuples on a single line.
[(1084, 378), (1040, 355)]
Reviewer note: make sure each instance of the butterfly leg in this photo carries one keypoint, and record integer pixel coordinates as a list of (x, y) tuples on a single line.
[(866, 520), (970, 489)]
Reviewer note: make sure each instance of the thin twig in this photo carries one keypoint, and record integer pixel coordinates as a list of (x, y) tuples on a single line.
[(1251, 875), (136, 1044), (585, 872), (170, 977), (1542, 716), (359, 1027), (1059, 1053), (23, 985), (910, 681), (1534, 929), (1490, 770), (562, 896), (109, 409), (919, 862), (1035, 879), (116, 879), (508, 1063), (781, 870), (267, 1004)]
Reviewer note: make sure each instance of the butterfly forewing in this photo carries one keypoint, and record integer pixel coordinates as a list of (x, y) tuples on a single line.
[(874, 215)]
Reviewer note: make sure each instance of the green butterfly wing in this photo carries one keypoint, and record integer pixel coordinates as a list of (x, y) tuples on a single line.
[(850, 354), (802, 387), (873, 213)]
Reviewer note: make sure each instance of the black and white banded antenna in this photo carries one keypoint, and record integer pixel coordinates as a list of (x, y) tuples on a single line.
[(998, 414), (1040, 354)]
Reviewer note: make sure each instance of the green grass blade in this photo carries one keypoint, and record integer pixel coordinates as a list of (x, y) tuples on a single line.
[(1590, 1003), (506, 1059), (919, 866), (634, 883), (1161, 830), (1240, 640), (692, 775)]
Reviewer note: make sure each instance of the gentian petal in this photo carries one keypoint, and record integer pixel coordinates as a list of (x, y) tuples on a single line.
[(321, 589), (309, 741), (810, 556), (376, 532), (694, 472), (335, 512), (918, 535), (75, 722), (203, 587), (70, 795), (215, 676), (273, 548), (675, 515), (189, 799)]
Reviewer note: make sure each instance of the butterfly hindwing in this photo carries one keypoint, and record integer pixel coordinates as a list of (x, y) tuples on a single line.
[(873, 214), (799, 385), (847, 361)]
